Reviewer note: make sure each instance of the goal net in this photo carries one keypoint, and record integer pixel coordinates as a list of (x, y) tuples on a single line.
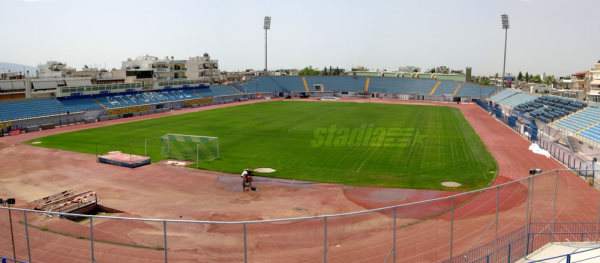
[(189, 147)]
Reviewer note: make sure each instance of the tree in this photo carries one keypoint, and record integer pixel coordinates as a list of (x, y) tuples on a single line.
[(527, 78), (485, 81), (325, 71), (336, 71), (432, 70), (415, 70), (537, 79), (520, 76), (308, 71)]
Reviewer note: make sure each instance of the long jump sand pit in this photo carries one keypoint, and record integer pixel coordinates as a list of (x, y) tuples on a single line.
[(163, 191)]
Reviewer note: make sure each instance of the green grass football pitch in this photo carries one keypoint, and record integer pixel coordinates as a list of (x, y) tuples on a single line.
[(410, 146)]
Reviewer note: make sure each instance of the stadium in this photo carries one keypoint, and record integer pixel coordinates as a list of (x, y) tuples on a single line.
[(143, 164), (202, 215)]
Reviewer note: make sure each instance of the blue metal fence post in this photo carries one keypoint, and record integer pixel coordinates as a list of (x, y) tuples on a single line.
[(394, 241), (593, 171), (554, 208), (509, 250), (527, 217), (527, 245), (92, 237), (451, 225), (586, 172), (597, 223), (569, 258), (245, 248), (165, 238), (27, 236), (324, 239), (496, 229)]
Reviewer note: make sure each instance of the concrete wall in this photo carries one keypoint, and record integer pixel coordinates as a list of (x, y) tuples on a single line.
[(58, 120)]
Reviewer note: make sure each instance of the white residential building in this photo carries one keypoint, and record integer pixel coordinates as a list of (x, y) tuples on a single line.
[(53, 69)]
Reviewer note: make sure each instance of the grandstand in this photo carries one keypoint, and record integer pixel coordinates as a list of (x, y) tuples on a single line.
[(129, 100), (44, 107), (66, 105), (221, 91), (375, 84), (474, 91), (81, 104), (274, 84), (516, 99), (503, 94), (592, 132), (584, 122), (409, 86), (28, 109), (549, 109), (445, 88), (573, 124), (571, 116)]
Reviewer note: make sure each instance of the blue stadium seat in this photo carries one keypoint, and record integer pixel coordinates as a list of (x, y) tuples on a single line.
[(376, 84)]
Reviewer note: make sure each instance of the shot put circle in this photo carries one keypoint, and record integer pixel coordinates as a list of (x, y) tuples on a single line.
[(451, 184)]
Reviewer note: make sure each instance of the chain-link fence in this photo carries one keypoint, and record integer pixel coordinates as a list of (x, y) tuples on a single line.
[(500, 223)]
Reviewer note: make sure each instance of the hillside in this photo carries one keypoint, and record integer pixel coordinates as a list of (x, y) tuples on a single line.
[(5, 67)]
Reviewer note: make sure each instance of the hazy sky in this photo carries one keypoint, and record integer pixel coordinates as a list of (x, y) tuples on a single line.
[(553, 36)]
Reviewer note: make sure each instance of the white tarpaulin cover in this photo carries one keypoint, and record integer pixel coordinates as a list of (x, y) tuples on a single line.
[(536, 149), (44, 84)]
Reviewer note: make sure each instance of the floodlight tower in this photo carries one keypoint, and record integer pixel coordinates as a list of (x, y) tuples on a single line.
[(505, 26), (266, 26)]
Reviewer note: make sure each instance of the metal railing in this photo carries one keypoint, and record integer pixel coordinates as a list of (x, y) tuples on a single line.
[(577, 136), (567, 257), (396, 224), (9, 260), (520, 243)]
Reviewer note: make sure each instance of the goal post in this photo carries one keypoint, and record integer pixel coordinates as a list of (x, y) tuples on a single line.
[(189, 147)]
